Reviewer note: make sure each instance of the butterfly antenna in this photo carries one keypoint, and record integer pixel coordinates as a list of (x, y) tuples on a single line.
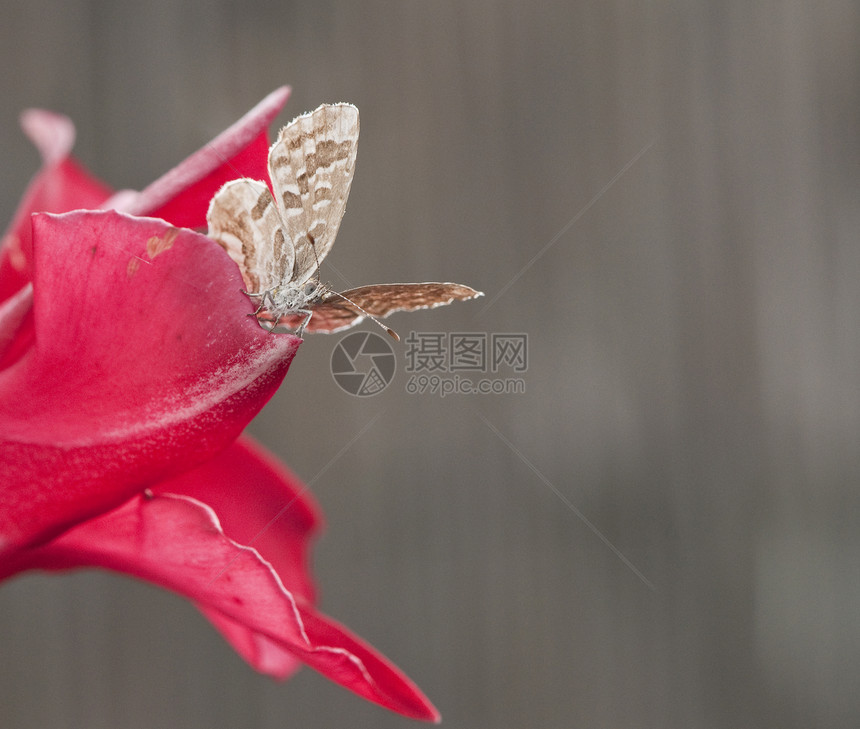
[(313, 243), (388, 330)]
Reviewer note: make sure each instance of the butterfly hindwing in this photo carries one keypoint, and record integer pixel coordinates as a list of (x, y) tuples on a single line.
[(380, 300), (334, 312), (243, 218)]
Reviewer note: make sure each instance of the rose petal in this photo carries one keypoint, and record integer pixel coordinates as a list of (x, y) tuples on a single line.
[(262, 505), (337, 654), (259, 504), (182, 195), (51, 133), (258, 650), (61, 185), (144, 363), (16, 326), (349, 661), (177, 542)]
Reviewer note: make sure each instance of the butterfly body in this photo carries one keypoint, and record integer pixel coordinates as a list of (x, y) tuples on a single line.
[(287, 299), (279, 240)]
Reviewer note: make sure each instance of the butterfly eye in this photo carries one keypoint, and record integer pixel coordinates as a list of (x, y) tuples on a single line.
[(310, 288)]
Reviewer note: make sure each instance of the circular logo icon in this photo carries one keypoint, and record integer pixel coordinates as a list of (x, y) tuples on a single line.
[(362, 364)]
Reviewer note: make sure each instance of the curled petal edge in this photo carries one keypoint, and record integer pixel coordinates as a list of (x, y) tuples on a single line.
[(177, 542), (182, 195)]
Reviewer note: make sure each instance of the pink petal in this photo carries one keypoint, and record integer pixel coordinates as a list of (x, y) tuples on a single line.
[(51, 133), (16, 326), (182, 195), (274, 512), (177, 542), (62, 184), (143, 364), (258, 650), (277, 518), (349, 661)]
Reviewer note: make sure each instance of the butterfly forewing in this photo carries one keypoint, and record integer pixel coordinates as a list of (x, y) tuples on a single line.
[(311, 166), (243, 218)]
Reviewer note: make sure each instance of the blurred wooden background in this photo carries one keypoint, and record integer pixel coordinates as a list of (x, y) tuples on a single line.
[(665, 197)]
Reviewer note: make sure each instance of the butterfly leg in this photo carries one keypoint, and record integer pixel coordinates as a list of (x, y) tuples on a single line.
[(301, 330), (265, 298), (261, 296)]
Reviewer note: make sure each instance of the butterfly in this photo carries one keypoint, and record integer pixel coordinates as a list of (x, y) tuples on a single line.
[(280, 240)]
